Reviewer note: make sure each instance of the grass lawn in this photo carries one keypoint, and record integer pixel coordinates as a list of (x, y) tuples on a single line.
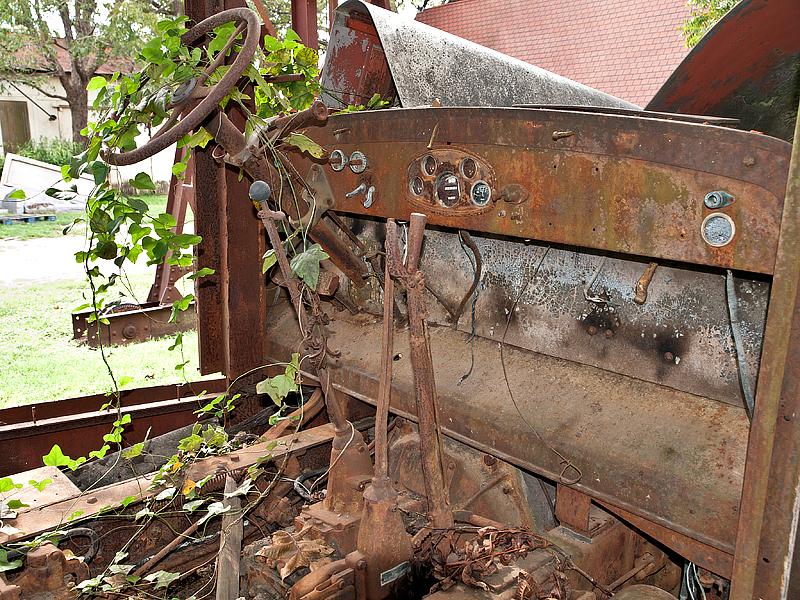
[(41, 360), (40, 229)]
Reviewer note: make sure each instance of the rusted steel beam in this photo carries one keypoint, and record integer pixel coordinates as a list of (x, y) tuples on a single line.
[(782, 307), (572, 508), (619, 183)]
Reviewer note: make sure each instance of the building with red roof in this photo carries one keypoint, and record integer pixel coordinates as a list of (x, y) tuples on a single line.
[(622, 47)]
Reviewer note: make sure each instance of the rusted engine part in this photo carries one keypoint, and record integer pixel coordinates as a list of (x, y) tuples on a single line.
[(149, 320), (610, 551), (679, 337), (48, 575), (474, 481), (433, 468), (78, 425)]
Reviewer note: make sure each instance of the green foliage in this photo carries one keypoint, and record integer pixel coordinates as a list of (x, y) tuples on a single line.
[(286, 58), (306, 265), (54, 151), (280, 386), (704, 15)]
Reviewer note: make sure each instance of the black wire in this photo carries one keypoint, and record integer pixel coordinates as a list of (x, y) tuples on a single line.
[(64, 536), (474, 264)]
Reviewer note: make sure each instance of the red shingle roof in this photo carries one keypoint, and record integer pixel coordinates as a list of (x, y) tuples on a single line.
[(626, 48)]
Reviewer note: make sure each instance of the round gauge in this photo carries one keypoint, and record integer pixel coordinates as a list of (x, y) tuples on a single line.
[(358, 162), (448, 189), (429, 165), (468, 168), (717, 229), (415, 186), (338, 160), (481, 193)]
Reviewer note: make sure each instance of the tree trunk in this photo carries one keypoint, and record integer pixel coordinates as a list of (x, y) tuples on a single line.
[(78, 100)]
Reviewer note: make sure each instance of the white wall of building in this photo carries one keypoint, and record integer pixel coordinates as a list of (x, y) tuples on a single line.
[(159, 167)]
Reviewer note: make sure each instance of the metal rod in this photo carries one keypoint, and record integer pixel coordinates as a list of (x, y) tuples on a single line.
[(385, 386)]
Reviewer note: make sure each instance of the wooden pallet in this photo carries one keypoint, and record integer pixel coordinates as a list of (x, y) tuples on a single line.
[(14, 219)]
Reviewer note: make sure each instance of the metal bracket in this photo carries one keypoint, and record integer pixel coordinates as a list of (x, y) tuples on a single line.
[(320, 199)]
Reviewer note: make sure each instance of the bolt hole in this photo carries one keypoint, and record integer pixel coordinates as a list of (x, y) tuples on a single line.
[(594, 229), (597, 169), (765, 559), (550, 224), (448, 143), (397, 357)]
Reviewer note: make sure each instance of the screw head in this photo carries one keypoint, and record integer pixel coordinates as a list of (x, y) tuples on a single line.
[(609, 333), (592, 330), (669, 356)]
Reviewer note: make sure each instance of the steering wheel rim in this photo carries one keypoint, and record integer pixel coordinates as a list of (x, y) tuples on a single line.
[(220, 90)]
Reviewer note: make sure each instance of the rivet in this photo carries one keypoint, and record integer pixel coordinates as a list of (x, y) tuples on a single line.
[(609, 333), (592, 330), (669, 357), (91, 500)]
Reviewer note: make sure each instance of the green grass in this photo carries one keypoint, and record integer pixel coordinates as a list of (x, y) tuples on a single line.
[(41, 360), (45, 229)]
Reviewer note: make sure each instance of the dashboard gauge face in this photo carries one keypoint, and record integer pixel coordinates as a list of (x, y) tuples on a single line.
[(338, 160), (448, 189), (468, 168), (358, 162), (429, 165), (717, 229), (481, 193), (416, 186)]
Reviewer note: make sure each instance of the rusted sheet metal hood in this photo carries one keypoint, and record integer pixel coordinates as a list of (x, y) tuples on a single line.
[(746, 67), (427, 63)]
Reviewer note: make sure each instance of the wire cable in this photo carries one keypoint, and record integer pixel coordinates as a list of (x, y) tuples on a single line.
[(741, 357)]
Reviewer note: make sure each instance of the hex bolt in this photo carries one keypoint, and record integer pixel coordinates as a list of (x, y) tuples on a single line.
[(609, 333), (592, 330), (669, 356)]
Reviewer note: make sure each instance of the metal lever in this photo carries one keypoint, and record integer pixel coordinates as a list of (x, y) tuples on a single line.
[(361, 188)]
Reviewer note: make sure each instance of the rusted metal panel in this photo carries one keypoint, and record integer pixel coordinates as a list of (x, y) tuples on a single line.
[(670, 457), (746, 67), (572, 509), (616, 183), (78, 425)]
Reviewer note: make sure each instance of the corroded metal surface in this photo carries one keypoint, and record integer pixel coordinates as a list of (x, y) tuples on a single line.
[(746, 67), (427, 64), (671, 457), (616, 183)]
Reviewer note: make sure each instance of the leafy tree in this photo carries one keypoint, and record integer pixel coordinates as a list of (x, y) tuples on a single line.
[(704, 15), (93, 32)]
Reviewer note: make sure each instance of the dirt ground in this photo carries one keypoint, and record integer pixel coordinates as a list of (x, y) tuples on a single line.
[(47, 259)]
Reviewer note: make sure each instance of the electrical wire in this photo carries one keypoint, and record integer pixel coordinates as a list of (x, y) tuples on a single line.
[(741, 357), (466, 242)]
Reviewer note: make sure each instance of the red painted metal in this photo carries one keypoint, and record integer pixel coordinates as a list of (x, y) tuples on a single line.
[(78, 425), (746, 68)]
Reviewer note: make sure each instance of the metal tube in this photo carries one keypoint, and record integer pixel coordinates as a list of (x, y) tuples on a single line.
[(385, 386)]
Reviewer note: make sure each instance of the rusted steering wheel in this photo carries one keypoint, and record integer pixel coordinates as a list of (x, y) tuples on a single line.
[(194, 89)]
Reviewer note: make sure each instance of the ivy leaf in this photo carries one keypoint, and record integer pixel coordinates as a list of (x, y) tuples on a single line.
[(277, 388), (305, 144), (193, 505), (215, 508), (40, 485), (200, 139), (56, 458), (96, 83), (201, 273), (167, 494), (133, 451), (306, 265), (270, 258), (7, 484), (142, 181), (17, 195), (100, 171), (8, 565), (162, 578)]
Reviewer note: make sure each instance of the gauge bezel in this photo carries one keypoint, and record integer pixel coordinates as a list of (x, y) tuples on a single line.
[(472, 193)]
